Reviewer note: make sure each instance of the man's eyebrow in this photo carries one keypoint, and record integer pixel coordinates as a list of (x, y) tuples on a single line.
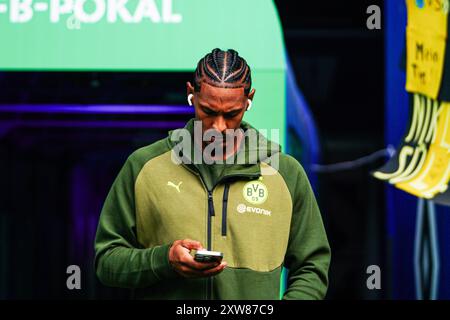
[(204, 104), (213, 110)]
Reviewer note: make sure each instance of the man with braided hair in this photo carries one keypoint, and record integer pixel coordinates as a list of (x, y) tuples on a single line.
[(261, 212)]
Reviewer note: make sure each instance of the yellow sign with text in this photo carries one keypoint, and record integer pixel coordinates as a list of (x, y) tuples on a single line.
[(426, 36)]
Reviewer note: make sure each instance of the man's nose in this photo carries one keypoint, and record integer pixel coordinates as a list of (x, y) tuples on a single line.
[(219, 124)]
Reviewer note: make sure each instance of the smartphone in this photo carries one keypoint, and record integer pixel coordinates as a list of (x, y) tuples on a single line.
[(208, 256)]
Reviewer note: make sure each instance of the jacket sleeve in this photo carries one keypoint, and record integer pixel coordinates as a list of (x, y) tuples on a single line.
[(308, 253), (120, 261)]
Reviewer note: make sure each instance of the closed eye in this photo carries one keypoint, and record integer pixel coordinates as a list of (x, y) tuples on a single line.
[(208, 111), (232, 114)]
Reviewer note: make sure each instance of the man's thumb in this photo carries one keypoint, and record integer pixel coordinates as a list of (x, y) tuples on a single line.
[(191, 244)]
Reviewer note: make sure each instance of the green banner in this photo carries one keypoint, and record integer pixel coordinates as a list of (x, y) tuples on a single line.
[(135, 34), (148, 35)]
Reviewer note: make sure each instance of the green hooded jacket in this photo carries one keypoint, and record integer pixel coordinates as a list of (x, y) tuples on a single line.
[(262, 214)]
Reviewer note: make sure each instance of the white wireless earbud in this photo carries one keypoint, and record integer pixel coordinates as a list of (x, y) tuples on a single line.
[(189, 98), (249, 104)]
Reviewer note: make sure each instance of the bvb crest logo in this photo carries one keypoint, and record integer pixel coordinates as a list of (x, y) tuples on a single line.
[(255, 192)]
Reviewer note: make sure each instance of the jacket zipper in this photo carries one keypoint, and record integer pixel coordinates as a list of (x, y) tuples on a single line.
[(224, 209), (209, 284), (211, 213)]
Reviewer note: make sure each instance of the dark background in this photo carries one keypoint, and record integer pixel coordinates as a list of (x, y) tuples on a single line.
[(339, 66), (51, 174)]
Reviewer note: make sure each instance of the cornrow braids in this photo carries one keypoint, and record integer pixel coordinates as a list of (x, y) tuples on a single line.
[(224, 69)]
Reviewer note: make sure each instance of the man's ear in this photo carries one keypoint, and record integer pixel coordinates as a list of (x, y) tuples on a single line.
[(251, 94), (189, 88)]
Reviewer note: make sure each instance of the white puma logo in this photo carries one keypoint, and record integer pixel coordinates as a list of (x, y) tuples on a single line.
[(171, 184)]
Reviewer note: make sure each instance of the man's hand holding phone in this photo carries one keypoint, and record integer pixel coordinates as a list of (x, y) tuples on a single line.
[(185, 264)]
